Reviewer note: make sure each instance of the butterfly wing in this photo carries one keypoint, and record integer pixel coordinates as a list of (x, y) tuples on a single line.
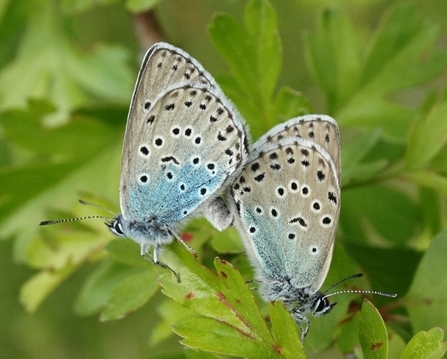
[(321, 129), (288, 203), (184, 139)]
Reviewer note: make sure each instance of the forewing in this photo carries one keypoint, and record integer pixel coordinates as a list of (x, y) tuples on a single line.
[(178, 113), (186, 149)]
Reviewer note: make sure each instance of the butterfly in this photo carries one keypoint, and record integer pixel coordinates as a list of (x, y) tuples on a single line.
[(184, 143), (287, 204)]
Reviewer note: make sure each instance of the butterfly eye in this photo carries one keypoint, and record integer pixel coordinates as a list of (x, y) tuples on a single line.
[(116, 227), (322, 306)]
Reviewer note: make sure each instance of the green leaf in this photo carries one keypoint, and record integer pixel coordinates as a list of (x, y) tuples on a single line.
[(68, 248), (262, 28), (372, 332), (25, 128), (370, 216), (428, 179), (377, 262), (227, 241), (427, 345), (201, 292), (48, 66), (365, 110), (210, 335), (427, 137), (354, 152), (58, 167), (333, 58), (431, 209), (290, 103), (128, 252), (20, 184), (227, 35), (99, 286), (439, 162), (396, 345), (39, 286), (122, 287), (233, 324), (284, 330), (399, 56), (399, 41), (196, 354), (427, 298), (130, 294), (363, 172), (58, 257), (348, 335), (254, 55), (169, 311)]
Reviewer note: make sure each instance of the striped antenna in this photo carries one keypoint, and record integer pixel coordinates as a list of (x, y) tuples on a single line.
[(356, 291), (56, 221)]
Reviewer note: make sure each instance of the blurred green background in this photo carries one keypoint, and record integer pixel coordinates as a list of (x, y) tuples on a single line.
[(77, 61)]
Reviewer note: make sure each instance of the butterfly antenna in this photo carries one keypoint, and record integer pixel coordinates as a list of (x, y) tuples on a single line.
[(81, 201), (356, 291), (45, 223), (383, 294), (358, 275)]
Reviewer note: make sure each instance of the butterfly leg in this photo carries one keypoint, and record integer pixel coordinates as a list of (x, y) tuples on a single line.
[(164, 265), (305, 330), (253, 281), (157, 262), (192, 250), (302, 322)]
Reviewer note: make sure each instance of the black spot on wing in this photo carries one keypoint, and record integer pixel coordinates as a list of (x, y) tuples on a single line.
[(170, 159)]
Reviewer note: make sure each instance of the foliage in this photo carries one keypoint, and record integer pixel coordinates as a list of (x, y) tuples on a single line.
[(62, 121)]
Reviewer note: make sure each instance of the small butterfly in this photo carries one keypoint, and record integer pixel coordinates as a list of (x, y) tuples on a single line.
[(287, 204), (184, 142)]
